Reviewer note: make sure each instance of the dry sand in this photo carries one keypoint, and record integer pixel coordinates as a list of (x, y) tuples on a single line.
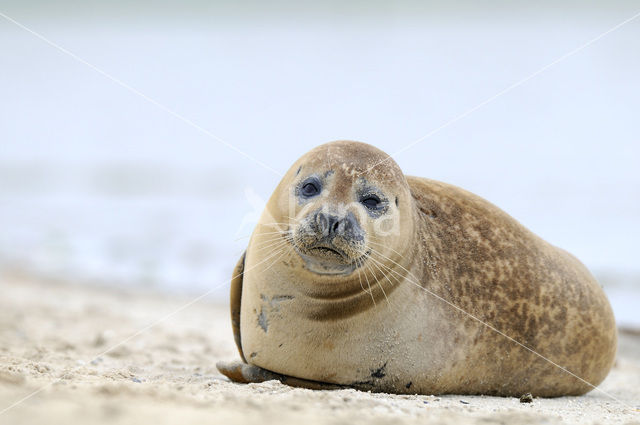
[(91, 356)]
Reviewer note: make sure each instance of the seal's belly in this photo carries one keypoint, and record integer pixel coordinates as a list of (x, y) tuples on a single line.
[(328, 352), (386, 348)]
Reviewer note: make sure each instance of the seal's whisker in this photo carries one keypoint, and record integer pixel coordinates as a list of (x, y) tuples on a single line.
[(282, 252), (270, 241), (380, 284), (369, 284), (384, 266), (368, 291), (397, 264), (280, 227), (278, 232), (386, 246), (273, 244), (274, 236), (358, 263), (275, 225), (271, 234), (271, 238), (276, 250), (270, 256), (375, 252), (382, 256), (387, 275), (294, 219)]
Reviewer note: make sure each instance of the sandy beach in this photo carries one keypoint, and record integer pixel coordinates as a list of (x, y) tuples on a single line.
[(72, 353)]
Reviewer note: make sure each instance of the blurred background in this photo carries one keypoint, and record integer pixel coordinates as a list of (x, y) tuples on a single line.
[(98, 185)]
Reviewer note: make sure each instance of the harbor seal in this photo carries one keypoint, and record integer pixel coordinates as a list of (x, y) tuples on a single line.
[(359, 276)]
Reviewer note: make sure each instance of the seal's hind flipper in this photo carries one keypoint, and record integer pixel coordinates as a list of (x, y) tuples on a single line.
[(247, 373)]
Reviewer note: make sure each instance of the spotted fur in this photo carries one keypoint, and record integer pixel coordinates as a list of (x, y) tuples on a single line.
[(465, 299)]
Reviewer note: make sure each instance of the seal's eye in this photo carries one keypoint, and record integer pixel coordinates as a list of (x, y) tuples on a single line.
[(309, 189), (371, 201)]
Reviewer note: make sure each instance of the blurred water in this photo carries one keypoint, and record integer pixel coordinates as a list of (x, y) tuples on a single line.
[(97, 183)]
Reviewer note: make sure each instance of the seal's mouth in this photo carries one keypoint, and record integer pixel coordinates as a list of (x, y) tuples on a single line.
[(330, 260), (324, 250)]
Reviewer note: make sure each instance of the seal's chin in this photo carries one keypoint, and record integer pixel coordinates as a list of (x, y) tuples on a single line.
[(329, 260)]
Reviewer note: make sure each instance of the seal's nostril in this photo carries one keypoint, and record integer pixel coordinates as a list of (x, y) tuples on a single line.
[(321, 222), (332, 224)]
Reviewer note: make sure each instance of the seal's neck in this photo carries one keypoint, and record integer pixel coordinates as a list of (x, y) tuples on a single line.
[(371, 285)]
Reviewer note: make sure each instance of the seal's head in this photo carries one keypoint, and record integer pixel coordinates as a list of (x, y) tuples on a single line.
[(344, 201)]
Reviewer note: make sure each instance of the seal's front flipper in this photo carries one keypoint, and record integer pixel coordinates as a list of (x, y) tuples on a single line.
[(248, 373)]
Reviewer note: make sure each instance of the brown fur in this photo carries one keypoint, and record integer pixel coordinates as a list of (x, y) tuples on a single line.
[(506, 276), (405, 335)]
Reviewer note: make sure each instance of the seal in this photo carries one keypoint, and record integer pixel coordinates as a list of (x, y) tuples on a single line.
[(359, 276)]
